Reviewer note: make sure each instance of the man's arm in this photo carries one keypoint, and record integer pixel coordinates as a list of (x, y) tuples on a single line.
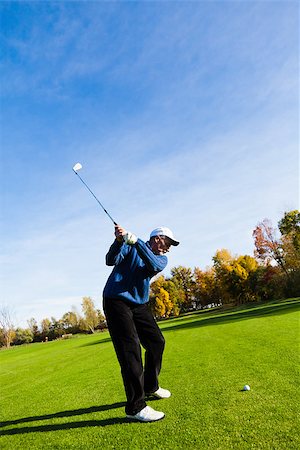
[(155, 263), (115, 254), (117, 251)]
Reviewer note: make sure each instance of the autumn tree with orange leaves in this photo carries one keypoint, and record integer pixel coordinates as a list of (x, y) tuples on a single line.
[(282, 252), (267, 245)]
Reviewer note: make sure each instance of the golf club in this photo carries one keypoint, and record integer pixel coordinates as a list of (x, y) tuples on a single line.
[(77, 167)]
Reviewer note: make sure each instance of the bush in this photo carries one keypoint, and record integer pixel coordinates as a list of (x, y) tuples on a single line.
[(23, 336)]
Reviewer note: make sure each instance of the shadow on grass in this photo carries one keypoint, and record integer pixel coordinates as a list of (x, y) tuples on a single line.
[(68, 413), (99, 341), (64, 426), (223, 317)]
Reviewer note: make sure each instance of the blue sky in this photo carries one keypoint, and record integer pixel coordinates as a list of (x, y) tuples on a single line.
[(183, 114)]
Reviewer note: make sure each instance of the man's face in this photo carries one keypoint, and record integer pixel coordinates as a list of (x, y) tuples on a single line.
[(160, 245)]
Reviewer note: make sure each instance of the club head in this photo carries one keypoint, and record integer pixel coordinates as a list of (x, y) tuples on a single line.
[(77, 167)]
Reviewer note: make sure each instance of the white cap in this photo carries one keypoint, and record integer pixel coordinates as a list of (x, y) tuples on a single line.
[(164, 231)]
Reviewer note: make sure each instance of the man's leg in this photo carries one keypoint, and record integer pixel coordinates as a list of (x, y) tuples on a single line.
[(124, 335), (153, 341)]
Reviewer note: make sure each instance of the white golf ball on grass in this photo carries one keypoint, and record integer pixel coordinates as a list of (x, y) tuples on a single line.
[(246, 387)]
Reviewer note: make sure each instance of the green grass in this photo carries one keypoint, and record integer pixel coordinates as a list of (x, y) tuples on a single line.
[(69, 395)]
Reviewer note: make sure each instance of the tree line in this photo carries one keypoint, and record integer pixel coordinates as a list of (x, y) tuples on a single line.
[(72, 322), (273, 272)]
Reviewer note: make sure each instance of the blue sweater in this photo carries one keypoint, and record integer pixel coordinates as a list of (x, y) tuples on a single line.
[(134, 266)]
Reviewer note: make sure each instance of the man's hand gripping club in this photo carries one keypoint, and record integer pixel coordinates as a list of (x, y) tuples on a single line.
[(123, 235)]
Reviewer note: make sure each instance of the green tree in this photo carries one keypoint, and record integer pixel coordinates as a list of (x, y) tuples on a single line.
[(45, 328), (33, 327), (290, 225), (56, 329), (101, 320), (71, 321), (23, 336)]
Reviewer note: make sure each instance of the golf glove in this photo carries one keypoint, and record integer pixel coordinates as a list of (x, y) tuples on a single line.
[(130, 238)]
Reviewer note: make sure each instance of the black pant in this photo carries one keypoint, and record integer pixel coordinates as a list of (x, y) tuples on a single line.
[(129, 325)]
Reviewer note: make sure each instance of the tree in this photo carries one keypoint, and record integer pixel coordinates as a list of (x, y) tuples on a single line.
[(165, 296), (158, 283), (90, 314), (284, 251), (175, 297), (182, 277), (45, 327), (71, 321), (23, 336), (33, 326), (270, 282), (56, 329), (222, 261), (243, 278), (156, 303), (171, 302), (101, 320), (7, 331), (235, 277), (267, 245), (205, 287), (160, 303), (290, 225)]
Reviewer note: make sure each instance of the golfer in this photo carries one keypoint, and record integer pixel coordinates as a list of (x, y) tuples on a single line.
[(129, 318)]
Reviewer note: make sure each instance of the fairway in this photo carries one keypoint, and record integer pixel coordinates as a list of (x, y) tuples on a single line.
[(68, 394)]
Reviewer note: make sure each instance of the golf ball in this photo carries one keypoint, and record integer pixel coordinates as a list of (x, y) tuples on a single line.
[(246, 387)]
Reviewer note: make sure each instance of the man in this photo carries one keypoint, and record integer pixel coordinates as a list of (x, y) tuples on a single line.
[(130, 321)]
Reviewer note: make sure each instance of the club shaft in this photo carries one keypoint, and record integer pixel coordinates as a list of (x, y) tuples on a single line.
[(115, 223)]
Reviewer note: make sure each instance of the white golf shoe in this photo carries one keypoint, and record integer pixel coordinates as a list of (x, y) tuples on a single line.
[(147, 414), (161, 393)]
